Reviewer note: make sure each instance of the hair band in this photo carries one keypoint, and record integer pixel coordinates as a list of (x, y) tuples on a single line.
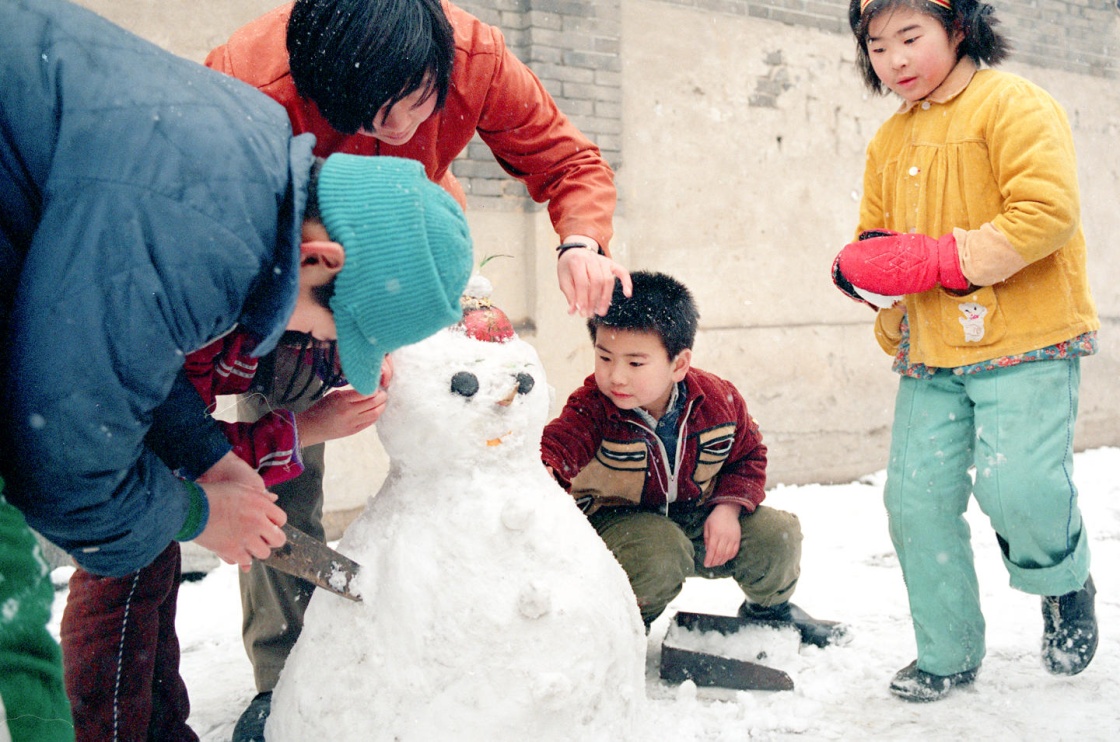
[(947, 4)]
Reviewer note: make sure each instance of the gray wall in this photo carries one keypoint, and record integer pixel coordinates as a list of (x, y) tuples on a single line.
[(743, 158), (737, 131)]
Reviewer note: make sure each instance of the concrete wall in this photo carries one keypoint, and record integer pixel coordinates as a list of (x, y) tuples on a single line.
[(737, 131), (742, 167)]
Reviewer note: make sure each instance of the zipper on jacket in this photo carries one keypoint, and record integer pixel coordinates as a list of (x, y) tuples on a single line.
[(671, 473)]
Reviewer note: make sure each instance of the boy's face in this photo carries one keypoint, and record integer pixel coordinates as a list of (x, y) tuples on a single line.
[(320, 261), (395, 126), (634, 370)]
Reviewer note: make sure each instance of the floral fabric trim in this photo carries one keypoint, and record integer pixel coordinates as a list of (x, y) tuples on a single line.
[(1082, 345)]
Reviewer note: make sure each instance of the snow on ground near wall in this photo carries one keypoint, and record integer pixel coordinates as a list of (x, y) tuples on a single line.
[(849, 572)]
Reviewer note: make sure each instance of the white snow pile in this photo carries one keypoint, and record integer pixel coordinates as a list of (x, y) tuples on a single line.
[(849, 572)]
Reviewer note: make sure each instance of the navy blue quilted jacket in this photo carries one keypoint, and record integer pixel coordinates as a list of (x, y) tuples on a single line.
[(147, 206)]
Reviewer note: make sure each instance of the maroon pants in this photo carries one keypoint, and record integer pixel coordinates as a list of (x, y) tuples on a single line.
[(120, 655)]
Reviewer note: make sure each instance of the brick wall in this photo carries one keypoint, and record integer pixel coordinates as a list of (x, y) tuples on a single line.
[(573, 47), (1072, 35)]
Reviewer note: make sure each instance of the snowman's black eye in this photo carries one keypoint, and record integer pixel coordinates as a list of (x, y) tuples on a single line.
[(524, 383), (465, 384)]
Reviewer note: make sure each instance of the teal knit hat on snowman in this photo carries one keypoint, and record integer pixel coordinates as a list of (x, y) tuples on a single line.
[(408, 257)]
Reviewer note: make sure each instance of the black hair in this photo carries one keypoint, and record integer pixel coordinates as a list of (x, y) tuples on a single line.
[(354, 57), (321, 294), (659, 304), (311, 210), (976, 20)]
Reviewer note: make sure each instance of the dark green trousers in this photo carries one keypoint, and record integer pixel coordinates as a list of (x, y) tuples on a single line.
[(659, 552), (272, 602)]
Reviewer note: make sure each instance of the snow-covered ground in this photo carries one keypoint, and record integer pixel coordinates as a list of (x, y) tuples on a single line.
[(849, 572)]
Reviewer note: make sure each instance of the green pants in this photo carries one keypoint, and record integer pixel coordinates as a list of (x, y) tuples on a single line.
[(33, 706), (658, 553), (1015, 426)]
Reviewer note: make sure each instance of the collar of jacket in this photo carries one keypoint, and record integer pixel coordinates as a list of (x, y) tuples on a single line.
[(693, 396), (952, 86)]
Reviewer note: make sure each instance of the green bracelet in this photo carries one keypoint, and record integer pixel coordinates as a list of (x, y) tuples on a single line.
[(198, 513)]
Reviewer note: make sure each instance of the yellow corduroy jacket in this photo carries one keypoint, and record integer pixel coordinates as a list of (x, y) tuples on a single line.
[(987, 156)]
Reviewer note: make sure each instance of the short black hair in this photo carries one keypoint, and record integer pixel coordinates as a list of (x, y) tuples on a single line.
[(311, 211), (976, 20), (353, 57), (321, 294), (659, 304)]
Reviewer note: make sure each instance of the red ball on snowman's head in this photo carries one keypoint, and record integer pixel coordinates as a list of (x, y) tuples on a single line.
[(481, 319)]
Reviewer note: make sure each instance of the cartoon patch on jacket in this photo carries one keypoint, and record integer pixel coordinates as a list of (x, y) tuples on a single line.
[(972, 321)]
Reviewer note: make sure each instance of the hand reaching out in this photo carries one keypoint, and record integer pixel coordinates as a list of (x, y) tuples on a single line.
[(722, 534), (587, 279), (344, 412)]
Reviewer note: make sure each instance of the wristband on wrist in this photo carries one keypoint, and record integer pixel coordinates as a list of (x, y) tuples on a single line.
[(198, 513), (563, 248)]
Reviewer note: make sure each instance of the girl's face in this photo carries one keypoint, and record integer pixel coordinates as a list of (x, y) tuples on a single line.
[(911, 52)]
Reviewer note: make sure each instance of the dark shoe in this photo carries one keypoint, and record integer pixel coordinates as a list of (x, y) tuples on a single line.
[(813, 631), (1069, 634), (912, 684), (250, 727)]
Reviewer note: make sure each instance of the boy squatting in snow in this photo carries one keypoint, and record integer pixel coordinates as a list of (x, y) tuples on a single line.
[(149, 207), (995, 315), (670, 467)]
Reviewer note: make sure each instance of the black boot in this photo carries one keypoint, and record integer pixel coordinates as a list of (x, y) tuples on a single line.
[(813, 631), (912, 684), (1069, 634), (250, 727)]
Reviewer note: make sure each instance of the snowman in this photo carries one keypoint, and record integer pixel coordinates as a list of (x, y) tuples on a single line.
[(490, 610)]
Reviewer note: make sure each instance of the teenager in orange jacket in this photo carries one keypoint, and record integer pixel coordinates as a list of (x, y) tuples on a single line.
[(415, 79), (419, 85)]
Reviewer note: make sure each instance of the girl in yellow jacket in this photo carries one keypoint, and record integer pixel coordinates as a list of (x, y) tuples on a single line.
[(970, 230)]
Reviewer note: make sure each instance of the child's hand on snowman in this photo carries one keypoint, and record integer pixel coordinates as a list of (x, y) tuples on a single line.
[(343, 412)]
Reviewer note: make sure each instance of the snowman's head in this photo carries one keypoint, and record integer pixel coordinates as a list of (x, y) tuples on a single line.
[(455, 397)]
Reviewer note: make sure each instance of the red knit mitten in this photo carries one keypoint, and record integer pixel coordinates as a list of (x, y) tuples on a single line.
[(893, 263)]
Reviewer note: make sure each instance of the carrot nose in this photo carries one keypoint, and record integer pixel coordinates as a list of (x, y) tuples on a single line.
[(508, 398)]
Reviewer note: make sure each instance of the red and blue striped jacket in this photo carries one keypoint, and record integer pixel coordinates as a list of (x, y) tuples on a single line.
[(271, 444)]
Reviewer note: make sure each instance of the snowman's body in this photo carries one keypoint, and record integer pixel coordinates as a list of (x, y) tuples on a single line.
[(491, 609)]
